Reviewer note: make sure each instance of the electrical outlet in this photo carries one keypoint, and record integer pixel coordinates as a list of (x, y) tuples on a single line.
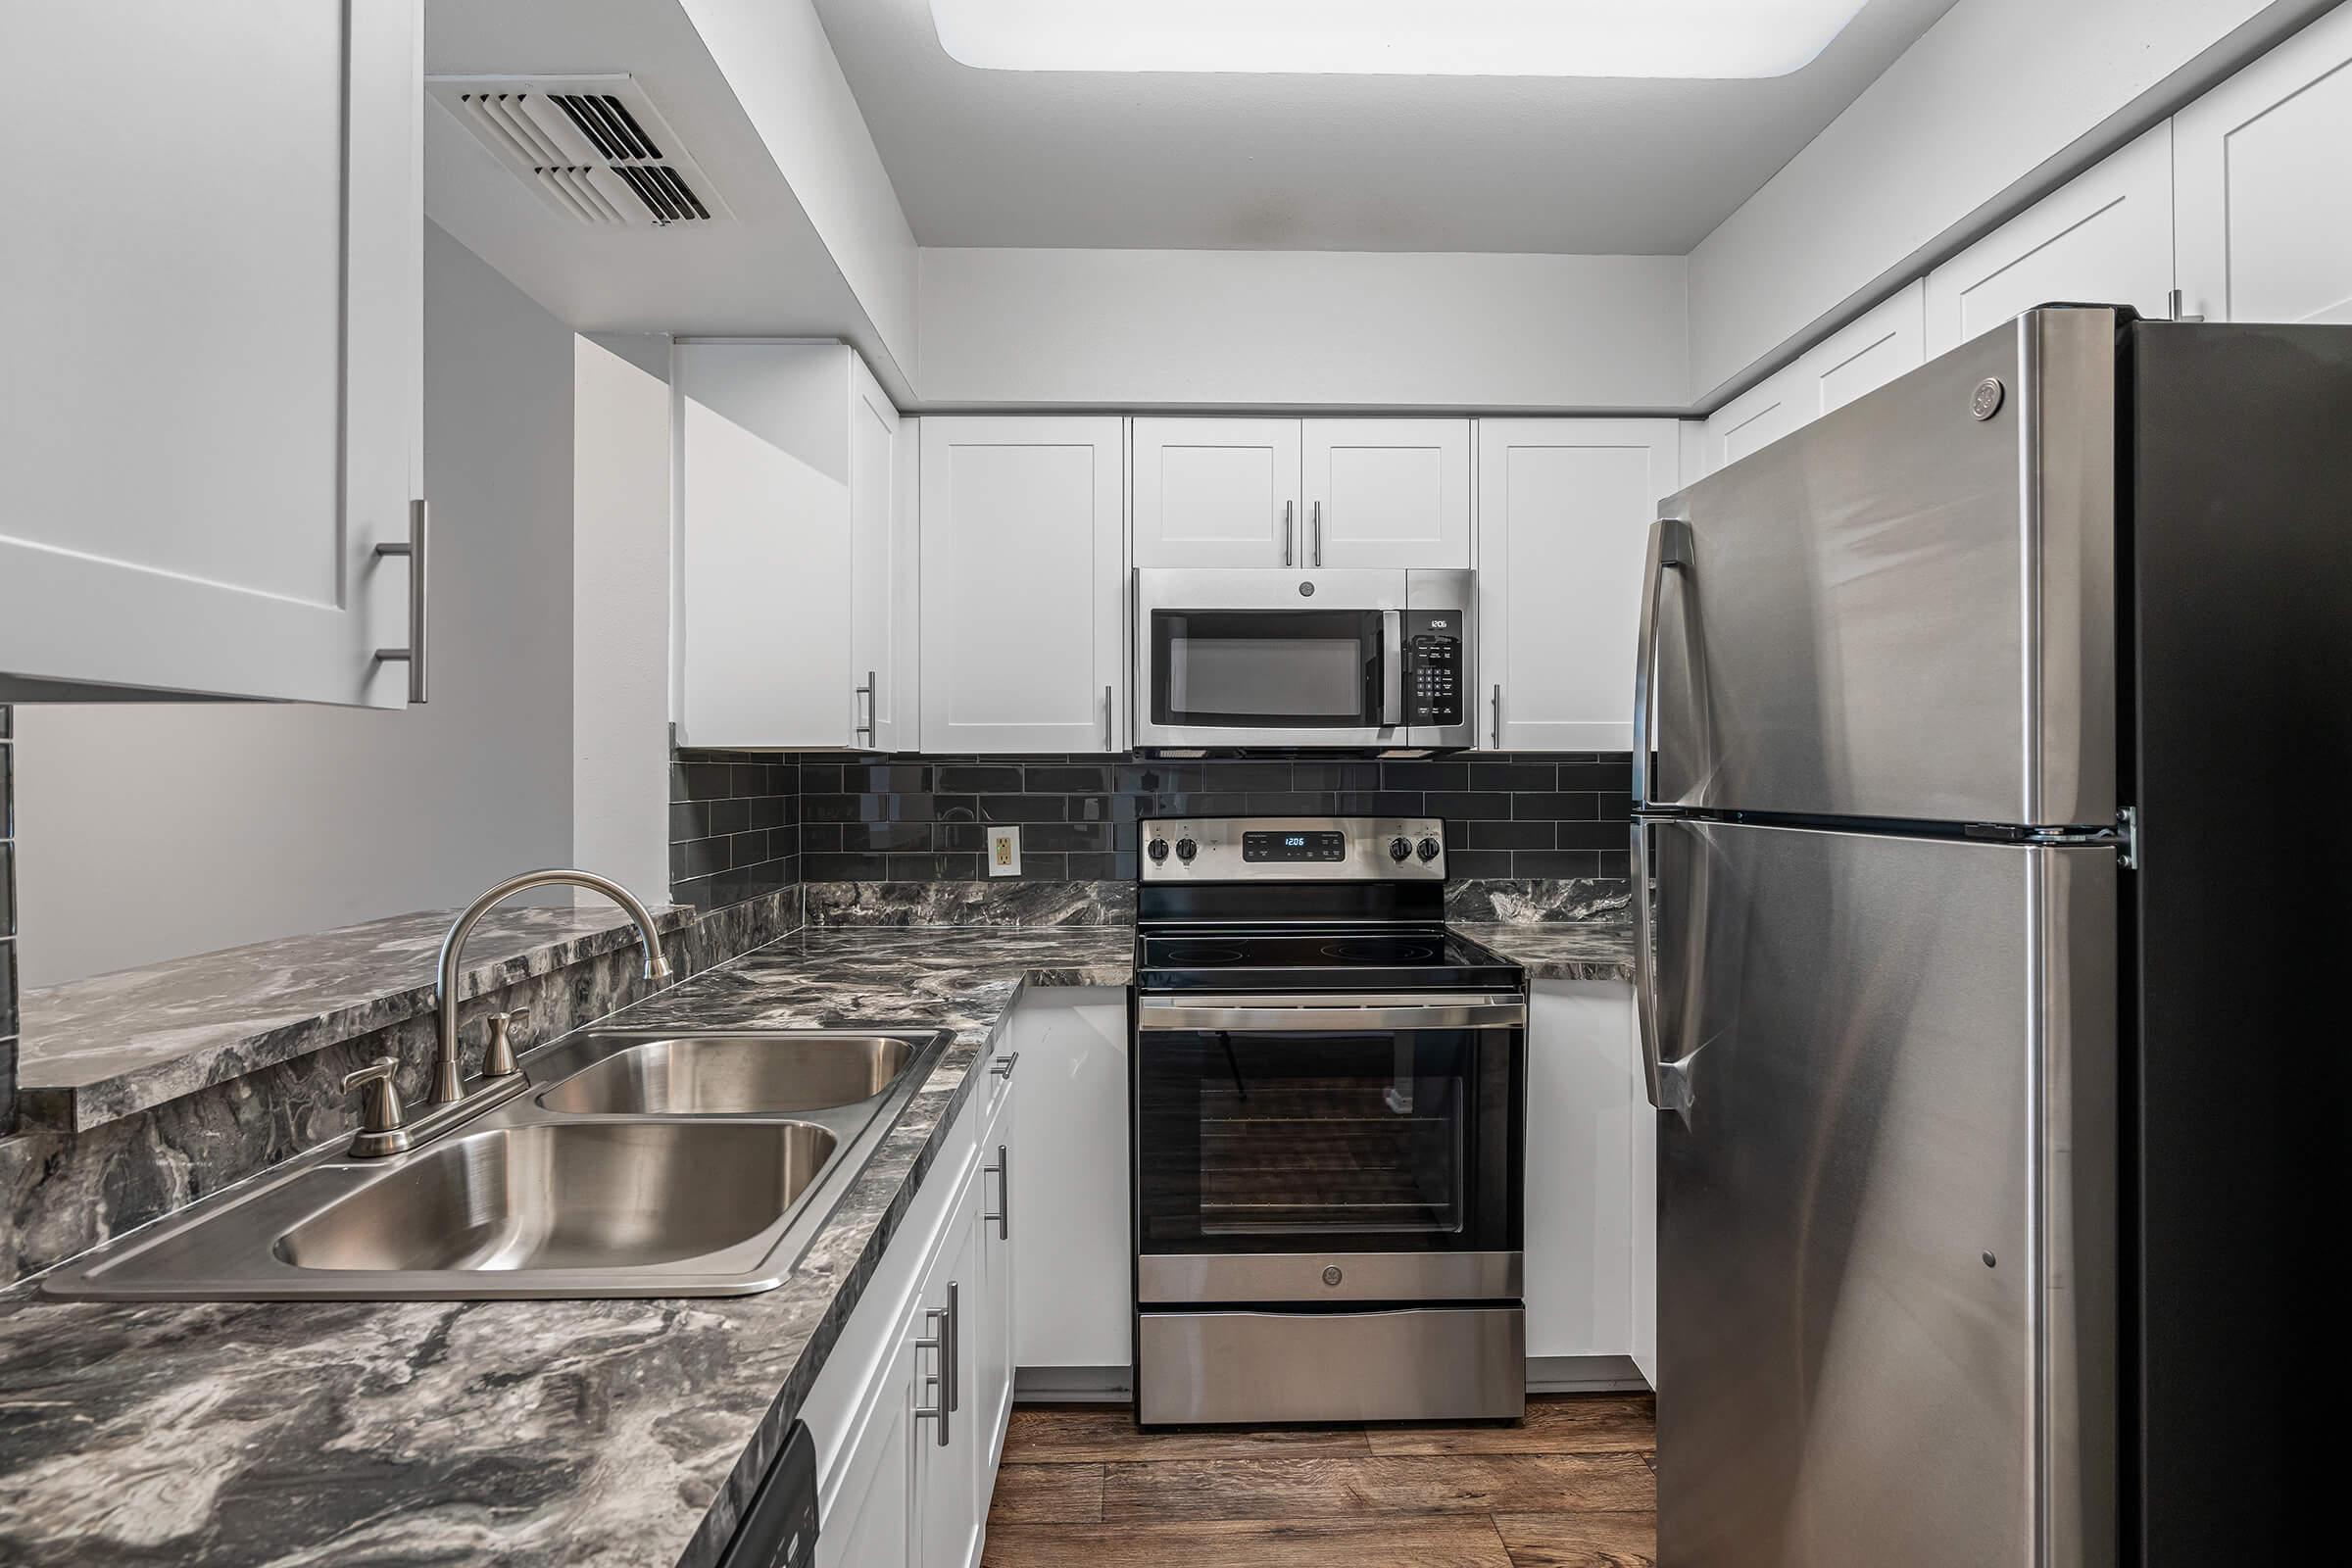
[(1005, 850)]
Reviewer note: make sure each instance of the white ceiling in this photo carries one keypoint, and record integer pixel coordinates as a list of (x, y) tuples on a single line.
[(1395, 163)]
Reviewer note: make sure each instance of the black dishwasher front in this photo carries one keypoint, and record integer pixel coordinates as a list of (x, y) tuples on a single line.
[(779, 1528)]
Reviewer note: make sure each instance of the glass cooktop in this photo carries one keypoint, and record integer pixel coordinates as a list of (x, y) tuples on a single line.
[(1307, 960)]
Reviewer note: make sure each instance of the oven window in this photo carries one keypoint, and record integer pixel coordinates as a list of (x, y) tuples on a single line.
[(1260, 668), (1400, 1140)]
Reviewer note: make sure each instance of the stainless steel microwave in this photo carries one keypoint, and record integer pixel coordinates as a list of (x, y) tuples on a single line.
[(1304, 660)]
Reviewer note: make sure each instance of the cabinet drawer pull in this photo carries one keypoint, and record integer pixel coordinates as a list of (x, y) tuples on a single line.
[(1002, 1170), (1003, 1067), (941, 1341), (415, 656)]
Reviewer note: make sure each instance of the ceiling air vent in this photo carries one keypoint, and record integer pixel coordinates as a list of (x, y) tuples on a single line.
[(593, 148)]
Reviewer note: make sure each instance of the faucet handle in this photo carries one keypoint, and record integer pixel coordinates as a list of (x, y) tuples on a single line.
[(498, 1058), (383, 1124)]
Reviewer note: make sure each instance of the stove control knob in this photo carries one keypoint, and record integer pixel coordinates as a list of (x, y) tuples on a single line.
[(1159, 850), (1400, 849), (1429, 850), (1186, 849)]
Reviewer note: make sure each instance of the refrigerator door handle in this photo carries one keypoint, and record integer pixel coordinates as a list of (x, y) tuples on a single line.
[(1668, 1083), (1669, 549)]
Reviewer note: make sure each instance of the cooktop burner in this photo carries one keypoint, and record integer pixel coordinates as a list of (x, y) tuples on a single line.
[(1383, 950), (1198, 953)]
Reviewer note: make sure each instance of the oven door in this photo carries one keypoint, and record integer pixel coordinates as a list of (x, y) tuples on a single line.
[(1259, 658), (1329, 1150)]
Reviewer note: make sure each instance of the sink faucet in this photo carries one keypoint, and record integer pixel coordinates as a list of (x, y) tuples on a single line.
[(447, 1087)]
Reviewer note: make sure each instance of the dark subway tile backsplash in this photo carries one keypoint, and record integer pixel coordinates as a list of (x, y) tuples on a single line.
[(924, 819), (734, 826)]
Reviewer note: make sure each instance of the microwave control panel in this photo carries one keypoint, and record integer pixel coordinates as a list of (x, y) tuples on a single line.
[(1433, 666)]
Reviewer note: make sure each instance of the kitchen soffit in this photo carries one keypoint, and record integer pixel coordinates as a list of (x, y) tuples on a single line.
[(1256, 160)]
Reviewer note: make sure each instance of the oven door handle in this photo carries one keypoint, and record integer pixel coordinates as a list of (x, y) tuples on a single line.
[(1316, 1014)]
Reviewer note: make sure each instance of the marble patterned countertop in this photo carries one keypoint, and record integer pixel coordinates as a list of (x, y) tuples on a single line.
[(1561, 950), (613, 1434), (99, 1050)]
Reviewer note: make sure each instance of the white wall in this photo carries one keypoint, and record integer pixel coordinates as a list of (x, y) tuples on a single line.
[(775, 55), (1997, 103), (1128, 328), (620, 603), (151, 832)]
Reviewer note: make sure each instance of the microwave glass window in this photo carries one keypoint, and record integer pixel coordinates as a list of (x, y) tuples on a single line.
[(1267, 669), (1267, 678)]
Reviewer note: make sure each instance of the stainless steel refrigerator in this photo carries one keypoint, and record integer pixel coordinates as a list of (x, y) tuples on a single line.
[(1982, 954)]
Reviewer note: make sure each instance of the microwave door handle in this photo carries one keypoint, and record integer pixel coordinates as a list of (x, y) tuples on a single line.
[(1392, 668)]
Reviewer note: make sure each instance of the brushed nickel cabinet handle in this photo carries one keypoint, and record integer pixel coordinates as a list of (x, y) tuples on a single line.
[(868, 691), (941, 1340), (1289, 531), (1002, 1170), (1318, 514), (415, 656), (1499, 715)]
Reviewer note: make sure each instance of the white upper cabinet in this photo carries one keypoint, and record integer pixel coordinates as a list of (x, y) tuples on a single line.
[(1023, 585), (1564, 507), (212, 417), (1756, 417), (2105, 238), (1216, 492), (2263, 169), (1884, 342), (797, 549), (1385, 493)]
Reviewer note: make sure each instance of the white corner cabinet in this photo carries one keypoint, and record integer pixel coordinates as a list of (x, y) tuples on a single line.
[(224, 419), (1306, 493), (1564, 507), (1024, 574), (797, 549), (910, 1413)]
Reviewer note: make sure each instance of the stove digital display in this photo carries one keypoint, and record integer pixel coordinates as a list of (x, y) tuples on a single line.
[(1279, 847)]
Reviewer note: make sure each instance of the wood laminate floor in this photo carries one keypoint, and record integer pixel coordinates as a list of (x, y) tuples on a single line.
[(1571, 1487)]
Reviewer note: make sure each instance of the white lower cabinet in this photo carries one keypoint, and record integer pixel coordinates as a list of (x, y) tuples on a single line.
[(1583, 1100), (1077, 1296), (908, 1415)]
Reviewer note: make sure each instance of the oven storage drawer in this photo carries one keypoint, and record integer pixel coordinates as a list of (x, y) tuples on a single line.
[(1187, 1278), (1414, 1364)]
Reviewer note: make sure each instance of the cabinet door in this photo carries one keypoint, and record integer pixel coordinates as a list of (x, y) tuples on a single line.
[(1564, 507), (994, 1324), (1070, 1182), (2262, 164), (950, 1509), (1581, 1094), (1641, 1186), (871, 1521), (1216, 492), (1022, 584), (1755, 418), (212, 415), (883, 571), (1887, 342), (2105, 238), (765, 441), (1385, 493)]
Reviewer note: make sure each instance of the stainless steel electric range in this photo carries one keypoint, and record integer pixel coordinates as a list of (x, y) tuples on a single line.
[(1329, 1095)]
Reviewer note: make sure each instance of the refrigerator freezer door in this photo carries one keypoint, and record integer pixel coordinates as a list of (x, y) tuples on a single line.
[(1887, 1215), (1906, 611)]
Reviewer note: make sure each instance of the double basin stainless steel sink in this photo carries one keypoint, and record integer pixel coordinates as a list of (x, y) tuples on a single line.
[(651, 1164)]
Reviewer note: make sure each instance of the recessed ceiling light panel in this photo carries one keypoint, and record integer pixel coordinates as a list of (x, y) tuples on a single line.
[(1710, 38)]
